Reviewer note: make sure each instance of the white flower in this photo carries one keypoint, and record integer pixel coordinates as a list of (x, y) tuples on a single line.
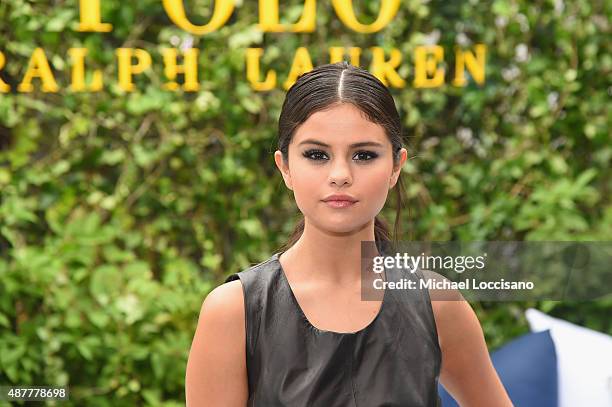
[(509, 74), (501, 21), (463, 40), (523, 22), (430, 142), (432, 38), (522, 53), (175, 40), (552, 99), (187, 43), (465, 135)]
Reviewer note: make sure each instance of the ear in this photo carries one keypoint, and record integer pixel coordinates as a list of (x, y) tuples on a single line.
[(283, 168), (398, 169)]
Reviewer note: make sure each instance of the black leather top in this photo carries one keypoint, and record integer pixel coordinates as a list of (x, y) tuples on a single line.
[(394, 361)]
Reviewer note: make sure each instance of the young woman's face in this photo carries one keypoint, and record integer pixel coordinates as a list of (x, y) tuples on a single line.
[(324, 160)]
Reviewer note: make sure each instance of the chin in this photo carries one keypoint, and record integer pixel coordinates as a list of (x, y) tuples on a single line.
[(344, 226)]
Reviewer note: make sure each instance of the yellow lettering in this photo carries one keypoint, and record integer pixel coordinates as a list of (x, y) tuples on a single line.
[(127, 70), (4, 87), (301, 64), (253, 71), (90, 16), (268, 17), (386, 70), (38, 67), (78, 72), (424, 66), (176, 12), (476, 65), (189, 69), (344, 11)]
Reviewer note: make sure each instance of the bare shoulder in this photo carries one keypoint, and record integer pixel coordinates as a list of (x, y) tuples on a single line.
[(466, 366), (222, 312), (216, 367), (226, 300), (451, 311)]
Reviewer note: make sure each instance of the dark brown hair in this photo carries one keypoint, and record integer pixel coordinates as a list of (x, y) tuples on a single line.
[(333, 84)]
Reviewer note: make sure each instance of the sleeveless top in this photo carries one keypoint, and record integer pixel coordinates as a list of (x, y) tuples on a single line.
[(394, 361)]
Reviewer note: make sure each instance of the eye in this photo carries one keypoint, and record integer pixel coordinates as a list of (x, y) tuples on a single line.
[(315, 155), (318, 155), (366, 155)]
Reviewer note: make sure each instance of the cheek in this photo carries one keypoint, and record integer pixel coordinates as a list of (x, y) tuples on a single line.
[(370, 184), (374, 185), (308, 187)]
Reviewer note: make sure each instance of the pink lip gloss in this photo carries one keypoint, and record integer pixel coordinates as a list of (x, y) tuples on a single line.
[(339, 204)]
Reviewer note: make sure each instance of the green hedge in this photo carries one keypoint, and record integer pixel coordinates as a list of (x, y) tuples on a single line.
[(119, 212)]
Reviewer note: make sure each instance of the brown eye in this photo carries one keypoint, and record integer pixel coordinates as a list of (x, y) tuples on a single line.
[(315, 155), (366, 155)]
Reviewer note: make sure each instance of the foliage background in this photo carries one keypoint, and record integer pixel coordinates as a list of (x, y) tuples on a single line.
[(119, 212)]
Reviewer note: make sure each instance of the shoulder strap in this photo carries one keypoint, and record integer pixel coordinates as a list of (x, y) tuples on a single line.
[(255, 281), (417, 304)]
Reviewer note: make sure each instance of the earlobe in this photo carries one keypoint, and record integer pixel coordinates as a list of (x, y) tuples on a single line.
[(397, 170), (287, 179), (393, 178), (280, 164)]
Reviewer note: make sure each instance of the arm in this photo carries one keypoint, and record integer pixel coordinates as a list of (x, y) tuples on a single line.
[(467, 371), (216, 367)]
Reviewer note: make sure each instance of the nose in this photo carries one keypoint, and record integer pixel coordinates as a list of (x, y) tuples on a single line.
[(340, 173)]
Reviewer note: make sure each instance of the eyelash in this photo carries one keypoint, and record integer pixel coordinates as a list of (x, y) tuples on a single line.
[(309, 153)]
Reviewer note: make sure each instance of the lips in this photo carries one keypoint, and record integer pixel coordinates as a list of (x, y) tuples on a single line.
[(339, 204), (339, 201), (340, 197)]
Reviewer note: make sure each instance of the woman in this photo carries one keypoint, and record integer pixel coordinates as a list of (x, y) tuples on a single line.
[(294, 330)]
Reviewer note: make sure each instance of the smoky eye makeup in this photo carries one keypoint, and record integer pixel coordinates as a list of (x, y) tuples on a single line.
[(314, 154), (320, 155), (366, 155)]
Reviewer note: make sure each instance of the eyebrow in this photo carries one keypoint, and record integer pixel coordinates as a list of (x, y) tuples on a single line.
[(360, 144)]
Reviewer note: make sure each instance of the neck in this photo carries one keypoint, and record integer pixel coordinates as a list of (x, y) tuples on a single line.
[(330, 257)]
